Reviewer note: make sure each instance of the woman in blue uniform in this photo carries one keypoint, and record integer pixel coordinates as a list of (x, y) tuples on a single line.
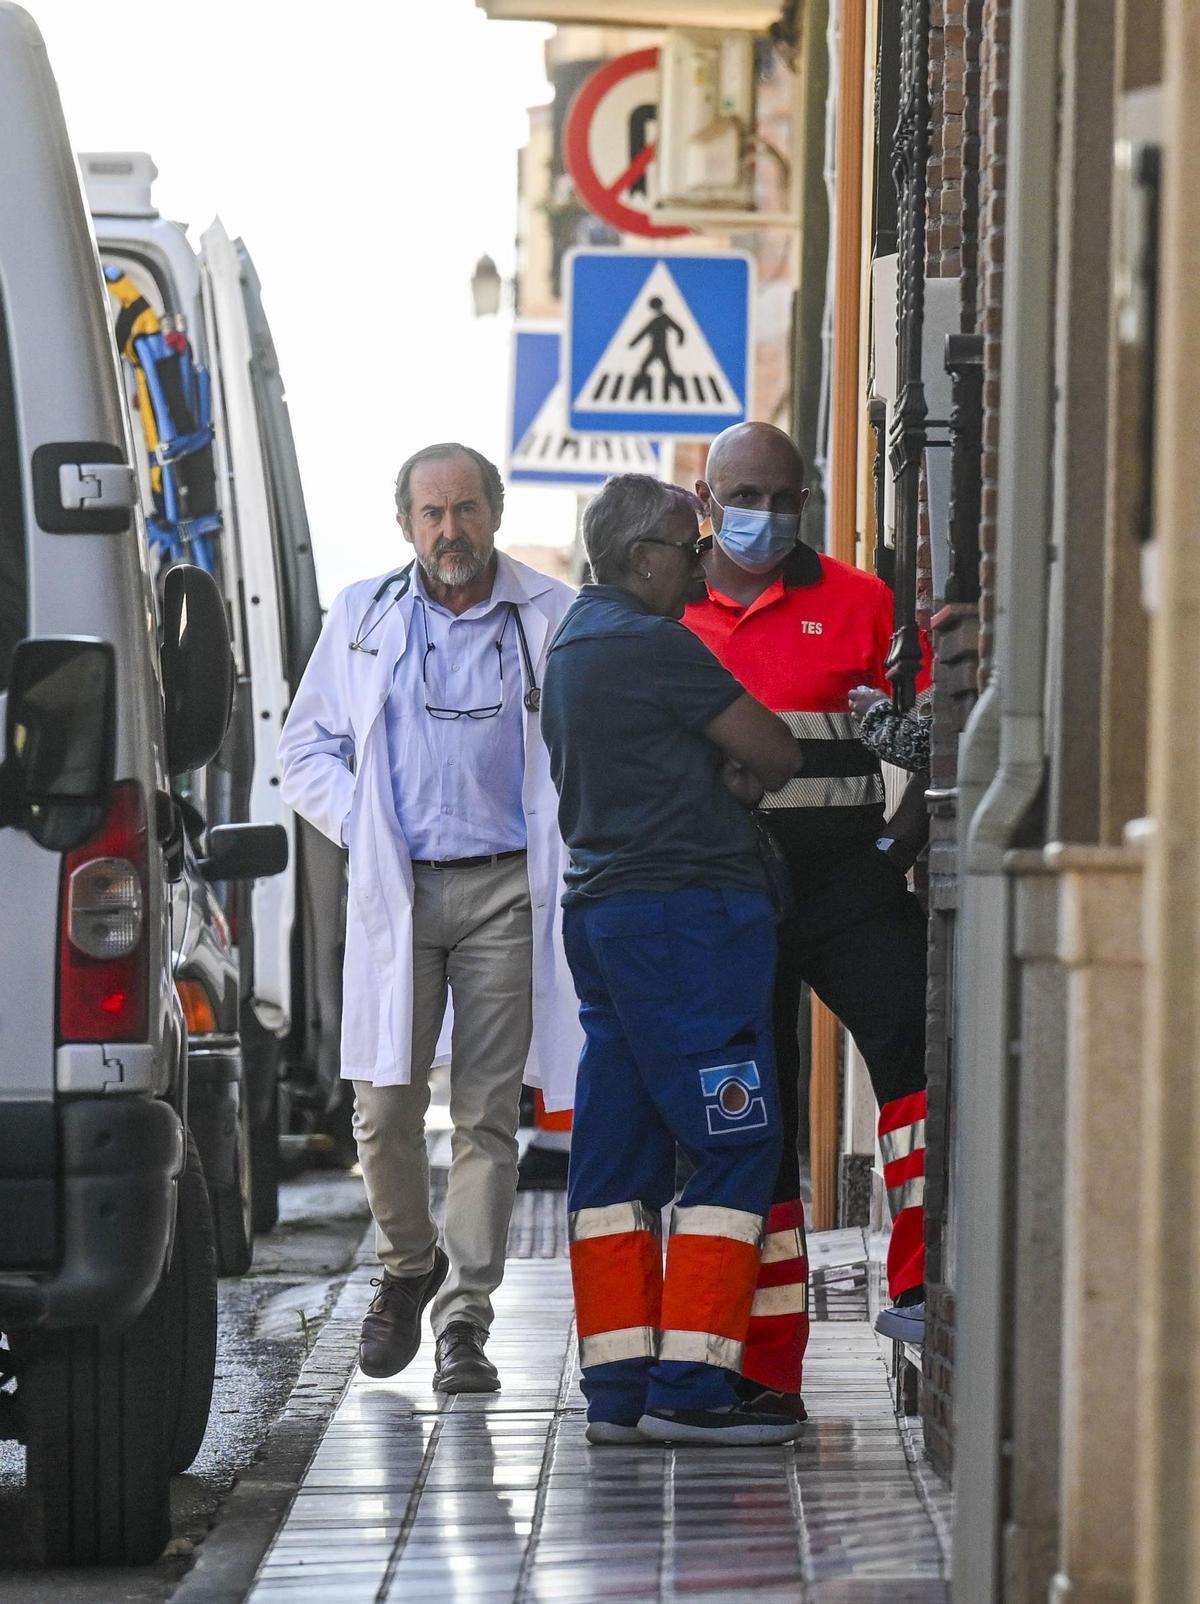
[(658, 753)]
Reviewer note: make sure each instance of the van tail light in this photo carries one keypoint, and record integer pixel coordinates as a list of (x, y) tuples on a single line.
[(197, 1009), (103, 970)]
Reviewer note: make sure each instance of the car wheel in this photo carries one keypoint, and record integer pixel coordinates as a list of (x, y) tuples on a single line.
[(191, 1298), (106, 1421), (93, 1411)]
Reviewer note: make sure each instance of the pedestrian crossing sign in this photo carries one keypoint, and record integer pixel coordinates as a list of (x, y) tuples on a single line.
[(542, 449), (657, 343)]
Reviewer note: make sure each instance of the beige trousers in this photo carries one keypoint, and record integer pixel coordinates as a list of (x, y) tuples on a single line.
[(472, 933)]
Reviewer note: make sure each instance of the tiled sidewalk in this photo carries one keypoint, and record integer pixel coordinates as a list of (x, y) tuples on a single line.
[(416, 1497)]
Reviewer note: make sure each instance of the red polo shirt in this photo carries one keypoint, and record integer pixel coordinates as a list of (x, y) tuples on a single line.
[(803, 647)]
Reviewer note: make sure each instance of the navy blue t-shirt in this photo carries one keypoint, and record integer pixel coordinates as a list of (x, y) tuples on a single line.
[(642, 806)]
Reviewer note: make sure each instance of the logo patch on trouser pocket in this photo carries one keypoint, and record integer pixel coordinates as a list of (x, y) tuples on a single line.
[(732, 1098)]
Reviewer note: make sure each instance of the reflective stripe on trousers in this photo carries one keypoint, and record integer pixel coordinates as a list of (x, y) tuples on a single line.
[(624, 1307), (902, 1145), (778, 1331), (675, 1002), (617, 1272)]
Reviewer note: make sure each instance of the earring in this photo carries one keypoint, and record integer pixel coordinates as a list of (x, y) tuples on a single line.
[(647, 576)]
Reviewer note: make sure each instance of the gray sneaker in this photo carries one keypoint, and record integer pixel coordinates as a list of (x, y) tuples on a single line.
[(611, 1434), (903, 1325), (734, 1427)]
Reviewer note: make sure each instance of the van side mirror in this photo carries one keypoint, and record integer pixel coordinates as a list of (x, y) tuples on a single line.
[(197, 668), (60, 741), (245, 852)]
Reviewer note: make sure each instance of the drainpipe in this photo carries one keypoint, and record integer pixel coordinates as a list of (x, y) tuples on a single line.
[(1001, 771)]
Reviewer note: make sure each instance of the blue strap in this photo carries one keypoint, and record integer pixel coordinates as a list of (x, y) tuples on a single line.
[(183, 445)]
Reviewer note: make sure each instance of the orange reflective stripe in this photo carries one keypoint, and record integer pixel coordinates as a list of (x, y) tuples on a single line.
[(617, 1281), (549, 1122), (709, 1285)]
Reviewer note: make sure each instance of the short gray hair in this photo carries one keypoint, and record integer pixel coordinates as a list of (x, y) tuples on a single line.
[(493, 485), (631, 507)]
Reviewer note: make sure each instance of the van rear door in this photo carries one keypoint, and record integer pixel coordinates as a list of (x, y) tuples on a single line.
[(318, 866), (250, 532), (72, 562)]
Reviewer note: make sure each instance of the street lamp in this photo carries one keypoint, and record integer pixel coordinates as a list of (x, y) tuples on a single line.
[(485, 287)]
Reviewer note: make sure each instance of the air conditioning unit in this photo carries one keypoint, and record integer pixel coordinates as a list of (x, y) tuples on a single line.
[(706, 120), (118, 182)]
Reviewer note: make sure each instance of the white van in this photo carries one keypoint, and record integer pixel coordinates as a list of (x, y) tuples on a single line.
[(107, 1278), (231, 498)]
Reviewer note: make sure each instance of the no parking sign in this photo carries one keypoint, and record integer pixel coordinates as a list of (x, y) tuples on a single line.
[(610, 142)]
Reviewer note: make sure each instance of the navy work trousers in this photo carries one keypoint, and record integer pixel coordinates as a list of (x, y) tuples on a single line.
[(675, 999)]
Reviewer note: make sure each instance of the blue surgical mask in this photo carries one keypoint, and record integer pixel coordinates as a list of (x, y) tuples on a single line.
[(757, 541)]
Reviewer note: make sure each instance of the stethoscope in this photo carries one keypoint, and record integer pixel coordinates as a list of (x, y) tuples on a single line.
[(402, 579)]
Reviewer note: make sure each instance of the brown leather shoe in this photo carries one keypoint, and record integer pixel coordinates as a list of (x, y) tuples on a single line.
[(391, 1329), (461, 1363)]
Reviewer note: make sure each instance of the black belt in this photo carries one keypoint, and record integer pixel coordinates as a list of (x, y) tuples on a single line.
[(466, 863)]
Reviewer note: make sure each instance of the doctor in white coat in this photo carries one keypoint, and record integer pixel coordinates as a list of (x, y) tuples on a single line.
[(414, 741)]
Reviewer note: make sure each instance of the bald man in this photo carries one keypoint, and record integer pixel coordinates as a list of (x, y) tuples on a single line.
[(801, 631)]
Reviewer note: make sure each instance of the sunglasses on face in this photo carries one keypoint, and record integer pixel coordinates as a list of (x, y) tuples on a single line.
[(697, 547)]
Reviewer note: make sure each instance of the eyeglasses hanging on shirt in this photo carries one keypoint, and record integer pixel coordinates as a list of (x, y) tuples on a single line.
[(532, 696), (402, 582)]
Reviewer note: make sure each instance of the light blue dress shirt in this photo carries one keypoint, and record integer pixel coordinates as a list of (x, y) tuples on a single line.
[(457, 782)]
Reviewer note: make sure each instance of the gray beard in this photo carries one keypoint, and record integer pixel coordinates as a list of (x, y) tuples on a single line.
[(453, 570)]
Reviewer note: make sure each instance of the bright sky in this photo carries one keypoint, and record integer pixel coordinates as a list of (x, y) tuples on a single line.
[(366, 153)]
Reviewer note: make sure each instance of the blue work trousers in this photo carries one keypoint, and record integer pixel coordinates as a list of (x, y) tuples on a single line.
[(675, 996)]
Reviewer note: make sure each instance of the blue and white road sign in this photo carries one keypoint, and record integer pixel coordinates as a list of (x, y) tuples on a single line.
[(542, 450), (658, 343)]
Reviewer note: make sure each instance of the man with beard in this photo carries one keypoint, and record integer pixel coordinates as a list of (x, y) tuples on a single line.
[(414, 740)]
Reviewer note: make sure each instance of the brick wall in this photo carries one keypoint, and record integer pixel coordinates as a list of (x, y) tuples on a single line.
[(954, 228), (956, 647), (937, 1380), (993, 138), (948, 131)]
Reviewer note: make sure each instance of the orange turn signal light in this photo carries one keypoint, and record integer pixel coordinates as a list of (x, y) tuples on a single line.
[(197, 1010)]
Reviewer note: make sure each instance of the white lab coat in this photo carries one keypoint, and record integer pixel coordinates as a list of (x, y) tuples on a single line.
[(337, 774)]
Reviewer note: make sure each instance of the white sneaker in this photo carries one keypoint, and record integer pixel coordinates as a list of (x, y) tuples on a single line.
[(608, 1434), (903, 1325)]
